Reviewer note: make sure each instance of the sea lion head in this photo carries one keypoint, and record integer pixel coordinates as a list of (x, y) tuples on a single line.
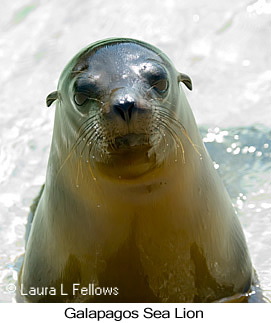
[(120, 96)]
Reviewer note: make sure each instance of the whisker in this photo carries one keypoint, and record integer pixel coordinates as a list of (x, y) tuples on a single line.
[(191, 142), (78, 170), (90, 133), (86, 122), (174, 135), (166, 115), (162, 134), (89, 158), (77, 142), (94, 142), (91, 172), (165, 101)]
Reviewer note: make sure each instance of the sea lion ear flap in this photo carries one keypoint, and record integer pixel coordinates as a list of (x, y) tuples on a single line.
[(186, 80), (51, 98)]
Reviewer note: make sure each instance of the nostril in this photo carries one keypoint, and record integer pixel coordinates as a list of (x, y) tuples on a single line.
[(125, 110), (120, 112), (130, 110)]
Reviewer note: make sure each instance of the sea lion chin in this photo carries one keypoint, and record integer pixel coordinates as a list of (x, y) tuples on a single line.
[(131, 197)]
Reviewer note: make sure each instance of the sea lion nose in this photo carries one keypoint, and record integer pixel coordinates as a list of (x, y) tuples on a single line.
[(124, 108)]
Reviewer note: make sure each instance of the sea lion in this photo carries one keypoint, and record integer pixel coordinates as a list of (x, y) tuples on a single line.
[(131, 199)]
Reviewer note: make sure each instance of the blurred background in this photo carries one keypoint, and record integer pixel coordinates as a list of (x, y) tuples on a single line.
[(224, 46)]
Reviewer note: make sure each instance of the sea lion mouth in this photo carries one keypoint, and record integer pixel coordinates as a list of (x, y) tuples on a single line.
[(131, 141), (128, 157)]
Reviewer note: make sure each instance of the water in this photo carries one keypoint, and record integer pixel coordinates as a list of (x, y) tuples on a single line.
[(242, 156), (222, 46)]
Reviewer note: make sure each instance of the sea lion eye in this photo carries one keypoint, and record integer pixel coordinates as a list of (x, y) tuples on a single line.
[(160, 85), (84, 90), (80, 98), (157, 77)]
